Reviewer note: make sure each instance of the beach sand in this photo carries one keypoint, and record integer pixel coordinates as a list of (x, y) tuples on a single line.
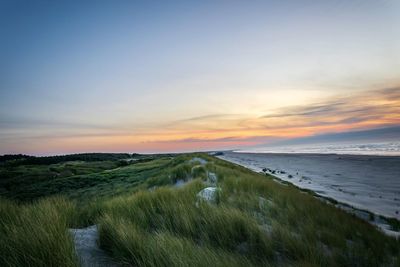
[(364, 182)]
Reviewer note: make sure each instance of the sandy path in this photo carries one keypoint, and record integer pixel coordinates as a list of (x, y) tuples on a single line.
[(89, 253)]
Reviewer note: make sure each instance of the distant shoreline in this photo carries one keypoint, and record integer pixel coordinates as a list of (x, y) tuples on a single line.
[(389, 224), (366, 148), (315, 154)]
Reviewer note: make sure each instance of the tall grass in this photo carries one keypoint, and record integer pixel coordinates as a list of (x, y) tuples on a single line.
[(305, 229), (131, 245), (172, 215), (257, 221), (36, 234)]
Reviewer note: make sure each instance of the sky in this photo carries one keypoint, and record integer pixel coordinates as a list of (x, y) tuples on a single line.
[(172, 76)]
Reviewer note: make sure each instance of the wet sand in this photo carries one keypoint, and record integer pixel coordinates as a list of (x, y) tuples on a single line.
[(365, 182)]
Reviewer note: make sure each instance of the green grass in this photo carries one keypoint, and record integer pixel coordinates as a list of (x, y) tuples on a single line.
[(36, 234), (132, 245), (145, 221), (257, 220), (27, 182), (173, 214), (76, 179)]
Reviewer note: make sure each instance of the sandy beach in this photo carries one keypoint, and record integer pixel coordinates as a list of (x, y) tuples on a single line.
[(365, 182)]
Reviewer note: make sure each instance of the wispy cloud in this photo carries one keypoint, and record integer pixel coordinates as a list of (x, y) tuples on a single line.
[(342, 113), (313, 110), (364, 110), (357, 110)]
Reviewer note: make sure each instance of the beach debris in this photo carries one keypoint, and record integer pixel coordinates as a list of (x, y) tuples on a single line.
[(268, 170), (209, 194)]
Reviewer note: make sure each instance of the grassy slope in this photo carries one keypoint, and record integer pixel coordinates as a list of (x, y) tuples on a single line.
[(27, 182), (77, 179), (256, 221), (144, 221), (36, 234)]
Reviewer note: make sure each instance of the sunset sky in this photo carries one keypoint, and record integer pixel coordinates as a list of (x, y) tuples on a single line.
[(166, 76)]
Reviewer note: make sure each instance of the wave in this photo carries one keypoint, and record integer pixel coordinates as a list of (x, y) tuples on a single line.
[(380, 149)]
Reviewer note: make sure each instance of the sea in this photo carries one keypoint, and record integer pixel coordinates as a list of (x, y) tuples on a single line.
[(364, 176), (378, 148)]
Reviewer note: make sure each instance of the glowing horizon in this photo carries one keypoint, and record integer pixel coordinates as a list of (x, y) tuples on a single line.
[(193, 76)]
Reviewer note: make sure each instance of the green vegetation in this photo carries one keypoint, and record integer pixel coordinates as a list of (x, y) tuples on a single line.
[(74, 178), (36, 234), (15, 160), (144, 220)]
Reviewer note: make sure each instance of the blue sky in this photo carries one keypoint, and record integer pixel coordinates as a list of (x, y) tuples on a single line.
[(130, 75)]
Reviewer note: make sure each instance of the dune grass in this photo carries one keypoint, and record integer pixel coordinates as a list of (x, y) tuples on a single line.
[(76, 179), (257, 221), (144, 220), (131, 245), (36, 234)]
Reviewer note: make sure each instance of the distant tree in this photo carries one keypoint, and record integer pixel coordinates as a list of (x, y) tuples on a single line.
[(16, 160)]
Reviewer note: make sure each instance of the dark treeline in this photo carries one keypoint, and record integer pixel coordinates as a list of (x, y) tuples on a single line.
[(20, 159), (5, 158)]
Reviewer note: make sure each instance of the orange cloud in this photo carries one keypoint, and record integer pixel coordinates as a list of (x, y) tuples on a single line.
[(364, 110)]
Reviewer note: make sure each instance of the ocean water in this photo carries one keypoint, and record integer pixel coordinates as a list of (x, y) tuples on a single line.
[(380, 149)]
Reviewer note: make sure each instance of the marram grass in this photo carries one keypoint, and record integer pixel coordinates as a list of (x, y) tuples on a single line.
[(256, 222), (36, 234), (145, 221)]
